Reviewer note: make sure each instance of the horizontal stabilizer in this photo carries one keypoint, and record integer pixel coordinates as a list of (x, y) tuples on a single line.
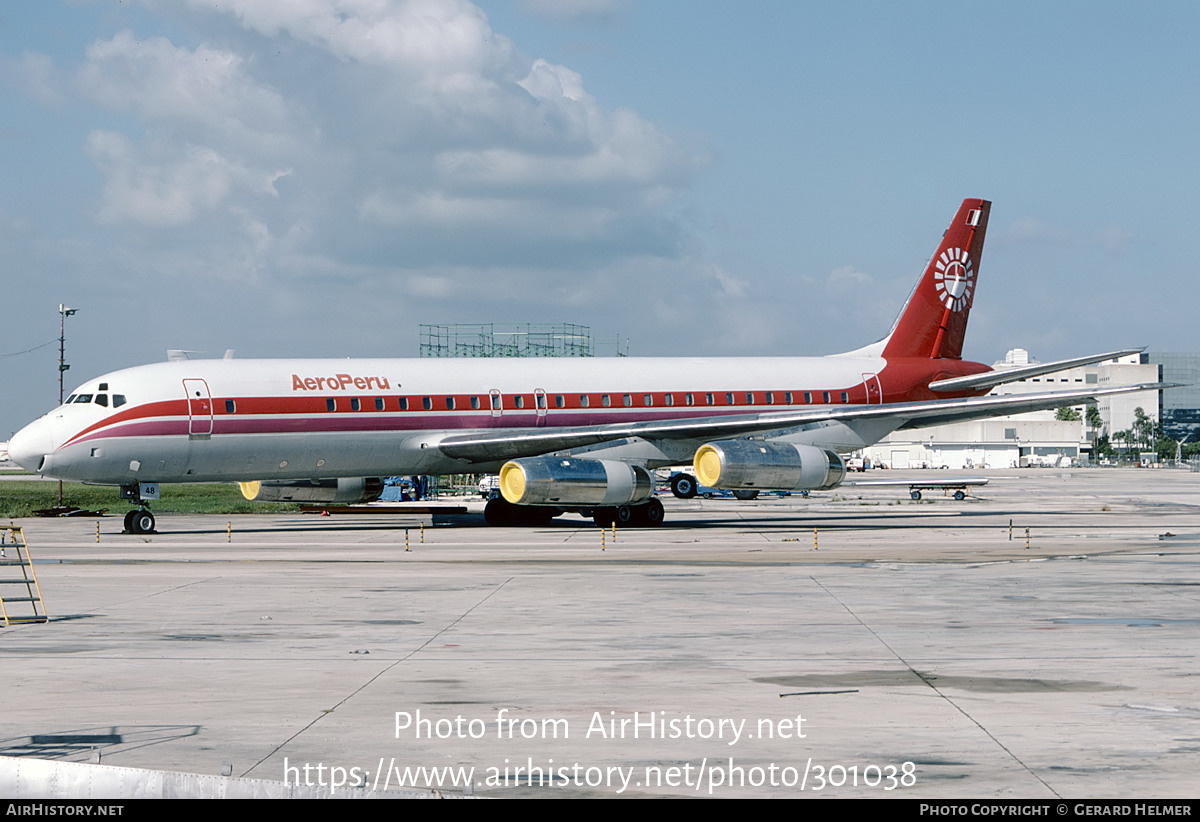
[(990, 379)]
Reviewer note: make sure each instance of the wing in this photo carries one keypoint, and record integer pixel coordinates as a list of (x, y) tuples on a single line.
[(494, 445)]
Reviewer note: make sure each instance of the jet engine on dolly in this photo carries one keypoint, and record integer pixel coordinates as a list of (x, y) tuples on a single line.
[(344, 491), (538, 488), (768, 465)]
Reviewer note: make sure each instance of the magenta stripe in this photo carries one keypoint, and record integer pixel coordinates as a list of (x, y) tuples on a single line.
[(407, 422)]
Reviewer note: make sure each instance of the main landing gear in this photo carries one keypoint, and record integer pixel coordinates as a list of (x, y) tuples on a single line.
[(649, 513), (140, 521), (500, 511)]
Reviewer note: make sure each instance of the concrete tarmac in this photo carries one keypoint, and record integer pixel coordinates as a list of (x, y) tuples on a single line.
[(852, 644)]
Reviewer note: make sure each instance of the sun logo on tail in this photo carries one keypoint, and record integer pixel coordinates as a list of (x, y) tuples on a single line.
[(954, 279)]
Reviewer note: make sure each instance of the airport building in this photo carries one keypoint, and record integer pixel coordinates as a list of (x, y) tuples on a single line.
[(1180, 405), (1034, 439)]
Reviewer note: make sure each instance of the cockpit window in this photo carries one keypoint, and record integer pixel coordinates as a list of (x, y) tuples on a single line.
[(83, 398), (102, 400), (69, 400), (118, 400)]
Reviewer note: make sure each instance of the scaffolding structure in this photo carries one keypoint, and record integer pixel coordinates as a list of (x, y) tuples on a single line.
[(524, 340)]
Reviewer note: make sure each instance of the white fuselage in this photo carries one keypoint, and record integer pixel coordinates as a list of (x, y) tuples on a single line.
[(214, 420)]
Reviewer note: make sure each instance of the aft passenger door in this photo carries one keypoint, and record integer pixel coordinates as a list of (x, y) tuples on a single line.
[(874, 390), (200, 410)]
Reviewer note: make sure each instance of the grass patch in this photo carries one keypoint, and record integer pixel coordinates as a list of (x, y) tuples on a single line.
[(20, 499)]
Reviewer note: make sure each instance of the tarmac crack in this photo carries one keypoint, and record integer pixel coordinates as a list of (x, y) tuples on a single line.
[(929, 682), (326, 712)]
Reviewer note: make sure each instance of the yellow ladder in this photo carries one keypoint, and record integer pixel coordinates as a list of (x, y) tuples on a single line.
[(14, 539)]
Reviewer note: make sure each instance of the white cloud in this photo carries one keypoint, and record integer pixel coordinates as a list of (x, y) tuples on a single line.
[(423, 37), (427, 122), (375, 156), (847, 281), (205, 90), (730, 285), (167, 192)]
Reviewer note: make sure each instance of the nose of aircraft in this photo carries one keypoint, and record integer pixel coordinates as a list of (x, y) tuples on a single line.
[(29, 446)]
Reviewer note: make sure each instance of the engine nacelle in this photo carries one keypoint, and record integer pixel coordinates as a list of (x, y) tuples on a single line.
[(768, 466), (345, 491), (569, 481)]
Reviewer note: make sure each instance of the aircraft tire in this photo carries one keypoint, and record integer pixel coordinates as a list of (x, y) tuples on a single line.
[(683, 486), (501, 512), (498, 512), (651, 513), (129, 521), (143, 522)]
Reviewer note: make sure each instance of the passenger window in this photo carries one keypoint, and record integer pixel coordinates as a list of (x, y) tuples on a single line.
[(807, 397), (560, 401), (583, 400), (518, 401), (770, 398), (449, 403), (495, 402), (379, 403), (708, 398), (647, 400), (845, 397), (688, 399), (825, 396), (427, 403), (355, 405), (540, 400), (628, 400), (787, 397), (669, 399), (229, 405), (331, 404), (403, 403), (605, 400), (729, 398), (749, 398), (475, 403)]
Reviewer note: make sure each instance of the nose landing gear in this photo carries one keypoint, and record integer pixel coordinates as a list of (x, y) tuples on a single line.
[(140, 521)]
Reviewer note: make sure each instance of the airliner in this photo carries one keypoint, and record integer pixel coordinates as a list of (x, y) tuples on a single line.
[(577, 434)]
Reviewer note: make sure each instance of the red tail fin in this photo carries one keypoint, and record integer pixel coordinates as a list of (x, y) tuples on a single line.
[(934, 321)]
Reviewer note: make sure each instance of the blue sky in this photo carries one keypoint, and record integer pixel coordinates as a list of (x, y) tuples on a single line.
[(317, 178)]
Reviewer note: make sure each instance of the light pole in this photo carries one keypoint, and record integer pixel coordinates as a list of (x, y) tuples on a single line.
[(63, 313)]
